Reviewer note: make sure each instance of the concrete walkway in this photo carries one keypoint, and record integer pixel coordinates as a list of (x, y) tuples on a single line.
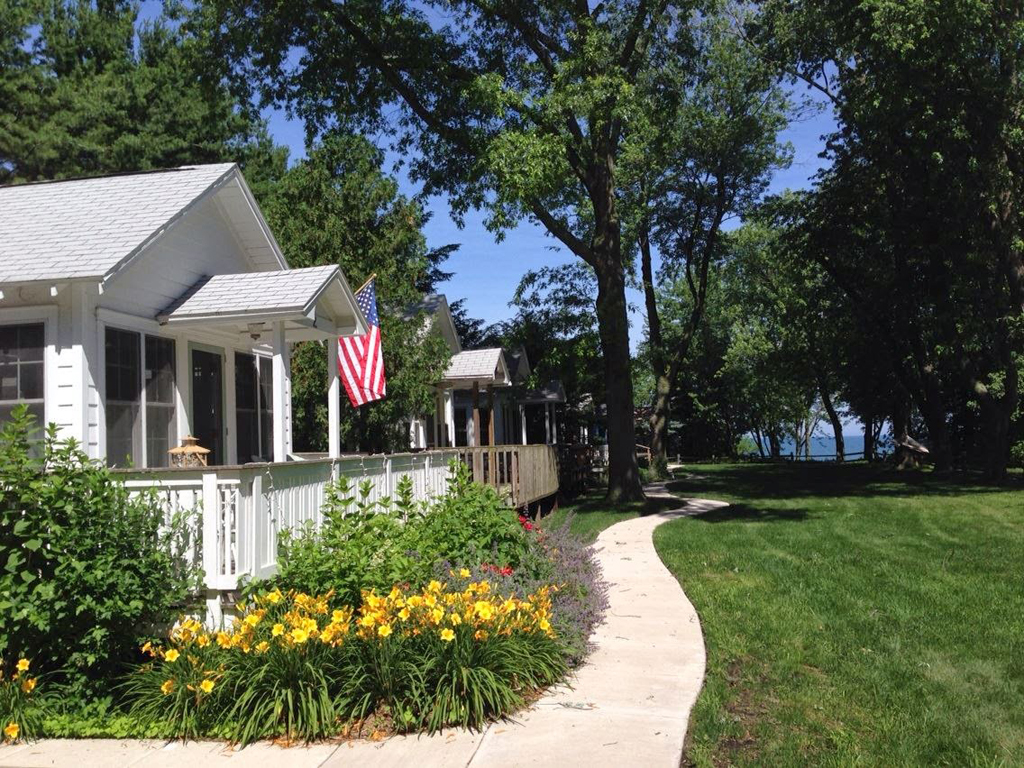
[(628, 705)]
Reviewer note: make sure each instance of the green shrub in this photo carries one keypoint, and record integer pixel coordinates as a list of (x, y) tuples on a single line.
[(88, 571), (1017, 455), (366, 545)]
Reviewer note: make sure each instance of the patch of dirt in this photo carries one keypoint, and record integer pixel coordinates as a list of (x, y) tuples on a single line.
[(747, 712)]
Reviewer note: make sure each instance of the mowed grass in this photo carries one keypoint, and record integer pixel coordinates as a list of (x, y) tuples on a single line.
[(854, 615)]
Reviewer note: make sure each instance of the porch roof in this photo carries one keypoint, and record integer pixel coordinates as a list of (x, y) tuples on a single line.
[(486, 367), (317, 299)]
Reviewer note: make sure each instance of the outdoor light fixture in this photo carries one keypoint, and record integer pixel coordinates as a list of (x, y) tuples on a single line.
[(255, 331)]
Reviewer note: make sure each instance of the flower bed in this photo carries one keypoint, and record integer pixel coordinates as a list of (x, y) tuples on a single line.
[(302, 667), (328, 647)]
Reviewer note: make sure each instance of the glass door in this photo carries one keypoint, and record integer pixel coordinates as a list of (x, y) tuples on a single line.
[(208, 402)]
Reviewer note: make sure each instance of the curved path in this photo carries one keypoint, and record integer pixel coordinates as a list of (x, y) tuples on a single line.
[(628, 705)]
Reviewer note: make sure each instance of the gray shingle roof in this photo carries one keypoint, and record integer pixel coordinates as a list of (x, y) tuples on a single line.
[(84, 228), (474, 364), (262, 293)]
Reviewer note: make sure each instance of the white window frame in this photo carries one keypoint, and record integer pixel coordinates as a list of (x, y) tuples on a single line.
[(143, 331), (47, 315)]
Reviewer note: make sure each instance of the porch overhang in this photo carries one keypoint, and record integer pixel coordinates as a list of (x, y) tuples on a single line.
[(312, 303), (478, 367)]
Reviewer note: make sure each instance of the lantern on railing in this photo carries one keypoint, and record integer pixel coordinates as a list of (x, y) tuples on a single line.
[(189, 453)]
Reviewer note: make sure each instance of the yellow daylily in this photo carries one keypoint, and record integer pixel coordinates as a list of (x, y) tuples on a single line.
[(447, 635), (172, 655), (11, 731), (167, 687), (206, 686), (23, 665)]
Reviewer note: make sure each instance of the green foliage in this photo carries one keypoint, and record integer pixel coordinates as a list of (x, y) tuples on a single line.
[(88, 570), (338, 207), (367, 545), (86, 90)]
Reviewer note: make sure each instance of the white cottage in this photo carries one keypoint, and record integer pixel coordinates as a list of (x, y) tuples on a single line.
[(136, 309)]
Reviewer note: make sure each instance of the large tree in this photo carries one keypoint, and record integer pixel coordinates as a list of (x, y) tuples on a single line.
[(918, 218), (87, 89), (715, 117), (338, 207), (523, 108)]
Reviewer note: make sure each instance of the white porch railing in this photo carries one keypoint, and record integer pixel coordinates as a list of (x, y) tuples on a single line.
[(243, 509)]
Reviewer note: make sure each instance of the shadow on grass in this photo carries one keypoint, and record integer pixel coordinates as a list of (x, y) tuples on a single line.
[(595, 501), (808, 480), (748, 514)]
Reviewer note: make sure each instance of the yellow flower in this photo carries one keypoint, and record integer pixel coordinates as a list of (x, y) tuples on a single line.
[(430, 600), (172, 655), (544, 624), (167, 687), (277, 630), (464, 573), (415, 601), (223, 639), (23, 665), (483, 609), (148, 648), (262, 646), (434, 586), (12, 730), (29, 685), (299, 635), (273, 597), (368, 620), (447, 635), (456, 619), (253, 619), (404, 614), (384, 630), (436, 615), (206, 686), (480, 634), (203, 640), (338, 616)]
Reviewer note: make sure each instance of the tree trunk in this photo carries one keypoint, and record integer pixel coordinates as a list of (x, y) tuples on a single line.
[(997, 415), (837, 424), (613, 327), (869, 438), (659, 425)]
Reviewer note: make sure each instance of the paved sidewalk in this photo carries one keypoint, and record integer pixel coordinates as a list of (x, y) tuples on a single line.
[(628, 705)]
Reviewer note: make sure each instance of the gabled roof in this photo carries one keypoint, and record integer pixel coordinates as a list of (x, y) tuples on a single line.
[(287, 291), (552, 392), (89, 228), (486, 366), (435, 307)]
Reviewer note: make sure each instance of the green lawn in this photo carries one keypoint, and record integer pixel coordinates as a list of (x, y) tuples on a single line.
[(853, 615), (591, 514)]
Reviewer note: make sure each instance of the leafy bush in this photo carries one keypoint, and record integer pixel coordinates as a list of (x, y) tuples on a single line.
[(367, 545), (1017, 455), (300, 667), (88, 570)]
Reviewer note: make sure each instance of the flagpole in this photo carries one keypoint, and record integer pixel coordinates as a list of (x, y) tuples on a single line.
[(366, 283)]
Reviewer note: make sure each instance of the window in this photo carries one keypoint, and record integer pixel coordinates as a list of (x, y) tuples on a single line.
[(22, 370), (253, 410), (124, 393), (160, 426), (140, 398)]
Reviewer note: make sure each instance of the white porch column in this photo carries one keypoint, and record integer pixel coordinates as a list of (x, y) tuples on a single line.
[(547, 424), (449, 418), (280, 395), (522, 421), (333, 407), (230, 407), (554, 425), (182, 387)]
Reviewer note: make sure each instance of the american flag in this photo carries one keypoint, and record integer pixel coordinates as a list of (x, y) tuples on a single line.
[(360, 360)]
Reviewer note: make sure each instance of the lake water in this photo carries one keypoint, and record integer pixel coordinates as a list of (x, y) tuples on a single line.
[(823, 447)]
